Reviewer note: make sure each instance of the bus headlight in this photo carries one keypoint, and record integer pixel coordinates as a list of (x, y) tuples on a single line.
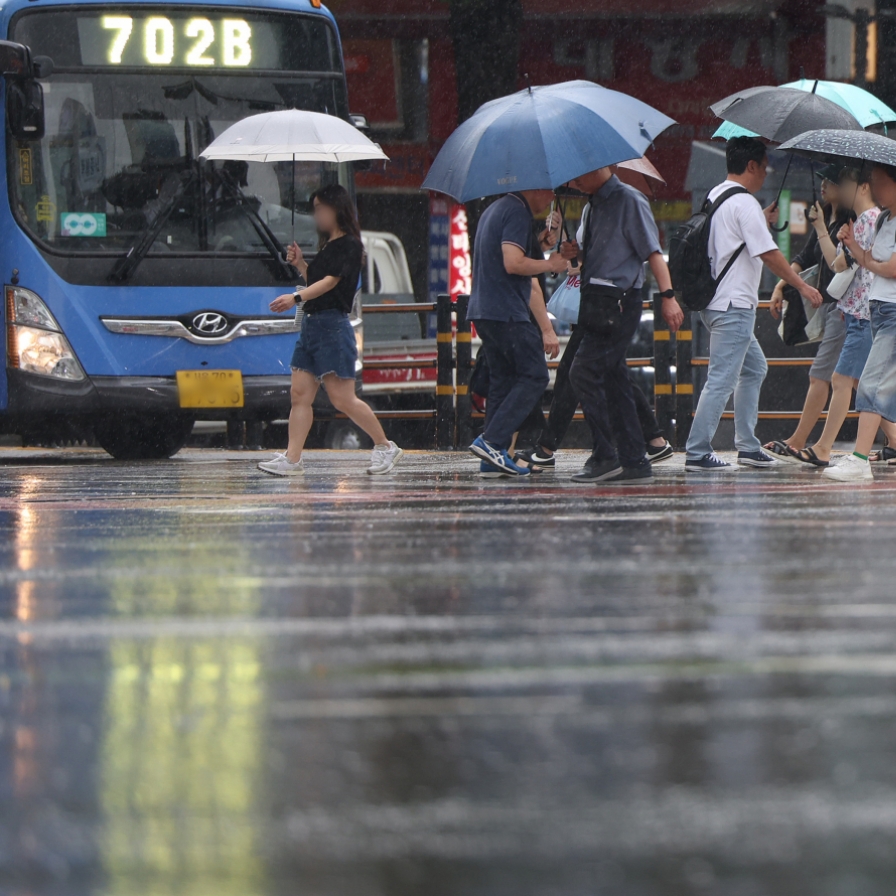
[(34, 341)]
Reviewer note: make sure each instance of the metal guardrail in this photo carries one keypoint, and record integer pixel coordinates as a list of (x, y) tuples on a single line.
[(673, 362), (665, 400), (688, 389)]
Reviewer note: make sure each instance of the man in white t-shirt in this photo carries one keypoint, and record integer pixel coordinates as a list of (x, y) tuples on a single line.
[(736, 362)]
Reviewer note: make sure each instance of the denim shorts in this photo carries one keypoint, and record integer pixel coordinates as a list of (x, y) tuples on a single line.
[(326, 345), (877, 387), (856, 349)]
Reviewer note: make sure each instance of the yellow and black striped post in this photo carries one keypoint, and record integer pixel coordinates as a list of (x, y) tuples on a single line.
[(684, 382), (464, 361), (444, 375), (663, 399)]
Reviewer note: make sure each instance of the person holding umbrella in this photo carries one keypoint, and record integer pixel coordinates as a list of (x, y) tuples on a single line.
[(876, 395), (855, 189), (326, 350), (620, 235), (827, 217), (504, 291)]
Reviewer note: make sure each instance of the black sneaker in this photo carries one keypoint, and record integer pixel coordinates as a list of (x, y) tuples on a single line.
[(537, 458), (656, 454), (598, 471), (756, 459), (632, 475), (709, 463)]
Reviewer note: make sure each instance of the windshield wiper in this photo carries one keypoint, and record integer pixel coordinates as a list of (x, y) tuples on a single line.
[(167, 202), (265, 234), (168, 199)]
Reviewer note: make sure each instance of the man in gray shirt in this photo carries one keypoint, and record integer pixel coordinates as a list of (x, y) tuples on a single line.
[(620, 235)]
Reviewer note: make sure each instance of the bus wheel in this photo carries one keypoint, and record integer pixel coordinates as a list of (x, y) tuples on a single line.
[(143, 438)]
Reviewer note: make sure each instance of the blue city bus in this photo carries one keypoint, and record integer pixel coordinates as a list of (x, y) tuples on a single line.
[(137, 276)]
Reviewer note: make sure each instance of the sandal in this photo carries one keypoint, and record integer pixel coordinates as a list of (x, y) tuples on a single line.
[(808, 456), (781, 451), (884, 455)]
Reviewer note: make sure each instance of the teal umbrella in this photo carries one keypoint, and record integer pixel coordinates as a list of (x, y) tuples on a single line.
[(865, 107)]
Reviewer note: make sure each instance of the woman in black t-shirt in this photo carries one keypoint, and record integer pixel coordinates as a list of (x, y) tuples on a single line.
[(326, 350)]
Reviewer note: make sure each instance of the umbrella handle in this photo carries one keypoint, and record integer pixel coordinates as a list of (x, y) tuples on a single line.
[(564, 227), (780, 228)]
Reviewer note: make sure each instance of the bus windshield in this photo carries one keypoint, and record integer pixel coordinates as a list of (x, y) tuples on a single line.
[(126, 120)]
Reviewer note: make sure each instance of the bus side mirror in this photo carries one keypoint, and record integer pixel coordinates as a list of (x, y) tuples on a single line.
[(24, 96), (25, 109), (15, 60)]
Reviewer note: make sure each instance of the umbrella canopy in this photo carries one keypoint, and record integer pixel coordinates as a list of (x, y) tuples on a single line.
[(864, 106), (293, 135), (543, 137), (641, 174), (843, 147), (780, 113)]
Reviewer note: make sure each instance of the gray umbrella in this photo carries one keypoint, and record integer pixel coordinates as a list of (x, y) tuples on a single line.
[(780, 113), (843, 147)]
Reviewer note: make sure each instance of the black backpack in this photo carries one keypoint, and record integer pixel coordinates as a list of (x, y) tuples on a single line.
[(689, 262)]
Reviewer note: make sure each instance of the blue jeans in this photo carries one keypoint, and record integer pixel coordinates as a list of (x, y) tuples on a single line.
[(518, 376), (877, 387), (736, 365)]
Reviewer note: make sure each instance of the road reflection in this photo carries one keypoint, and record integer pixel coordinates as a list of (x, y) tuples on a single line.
[(179, 768)]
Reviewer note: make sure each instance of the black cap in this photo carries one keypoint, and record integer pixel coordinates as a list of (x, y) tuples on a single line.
[(831, 173)]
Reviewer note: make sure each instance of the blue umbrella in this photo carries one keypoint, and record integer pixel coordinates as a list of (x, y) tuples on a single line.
[(543, 137)]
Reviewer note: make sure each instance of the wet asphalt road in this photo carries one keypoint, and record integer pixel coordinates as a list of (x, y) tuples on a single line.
[(214, 682)]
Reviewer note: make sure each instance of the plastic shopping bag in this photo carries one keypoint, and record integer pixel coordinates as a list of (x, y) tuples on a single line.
[(564, 303)]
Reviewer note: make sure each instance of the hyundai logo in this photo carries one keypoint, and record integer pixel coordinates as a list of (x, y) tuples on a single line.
[(209, 323)]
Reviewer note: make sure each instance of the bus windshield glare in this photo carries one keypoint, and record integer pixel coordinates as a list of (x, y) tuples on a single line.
[(136, 95)]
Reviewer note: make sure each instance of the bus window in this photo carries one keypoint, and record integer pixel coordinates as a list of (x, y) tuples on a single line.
[(124, 134)]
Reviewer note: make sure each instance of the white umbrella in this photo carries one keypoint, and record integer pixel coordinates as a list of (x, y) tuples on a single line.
[(293, 135)]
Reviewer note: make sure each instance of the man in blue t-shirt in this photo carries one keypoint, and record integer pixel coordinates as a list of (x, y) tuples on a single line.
[(499, 306)]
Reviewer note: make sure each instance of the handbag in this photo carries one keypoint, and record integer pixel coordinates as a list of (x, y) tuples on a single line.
[(600, 310), (801, 323), (564, 303), (840, 282)]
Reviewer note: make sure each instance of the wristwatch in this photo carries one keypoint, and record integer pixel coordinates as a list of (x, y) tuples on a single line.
[(668, 294)]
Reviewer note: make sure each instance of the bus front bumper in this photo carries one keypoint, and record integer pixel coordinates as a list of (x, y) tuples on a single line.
[(265, 397)]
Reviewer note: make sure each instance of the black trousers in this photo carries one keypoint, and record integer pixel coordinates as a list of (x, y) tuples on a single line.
[(518, 376), (600, 376), (565, 401)]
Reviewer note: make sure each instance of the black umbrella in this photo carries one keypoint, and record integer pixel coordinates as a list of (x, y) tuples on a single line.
[(781, 113), (843, 146)]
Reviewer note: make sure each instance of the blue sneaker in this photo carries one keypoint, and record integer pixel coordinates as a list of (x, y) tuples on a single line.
[(497, 457), (709, 463), (487, 471)]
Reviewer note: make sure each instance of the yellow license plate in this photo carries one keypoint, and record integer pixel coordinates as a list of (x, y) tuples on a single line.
[(210, 388)]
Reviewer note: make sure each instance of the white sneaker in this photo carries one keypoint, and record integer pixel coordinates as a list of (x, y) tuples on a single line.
[(383, 460), (280, 466), (849, 469)]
